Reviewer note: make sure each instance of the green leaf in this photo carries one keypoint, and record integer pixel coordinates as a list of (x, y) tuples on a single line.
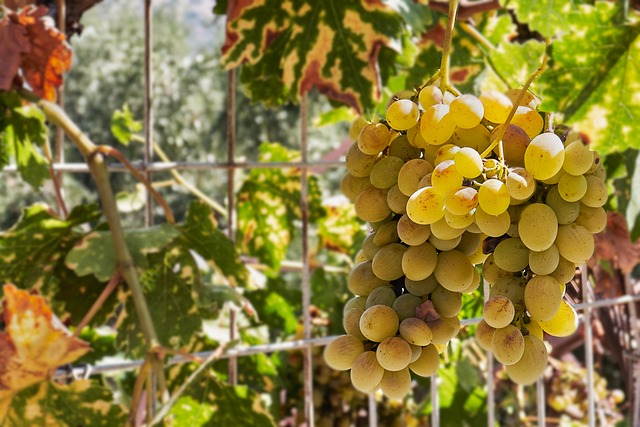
[(132, 201), (31, 165), (102, 342), (333, 116), (515, 62), (547, 17), (594, 77), (332, 46), (331, 302), (417, 16), (169, 288), (628, 189), (81, 403), (276, 311), (340, 229), (123, 125), (94, 253)]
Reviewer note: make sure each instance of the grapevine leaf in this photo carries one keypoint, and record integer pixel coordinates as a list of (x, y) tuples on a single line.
[(330, 302), (34, 342), (168, 287), (547, 17), (333, 116), (275, 308), (331, 45), (594, 77), (628, 190), (81, 403), (94, 253), (515, 62), (340, 228), (13, 43), (102, 342), (123, 125)]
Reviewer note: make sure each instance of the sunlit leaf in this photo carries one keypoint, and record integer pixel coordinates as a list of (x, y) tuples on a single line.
[(123, 125), (340, 228), (548, 17)]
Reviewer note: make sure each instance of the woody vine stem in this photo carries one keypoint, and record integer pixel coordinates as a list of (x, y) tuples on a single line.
[(446, 46)]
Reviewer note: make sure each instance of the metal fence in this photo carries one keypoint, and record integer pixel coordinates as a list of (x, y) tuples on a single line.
[(148, 166)]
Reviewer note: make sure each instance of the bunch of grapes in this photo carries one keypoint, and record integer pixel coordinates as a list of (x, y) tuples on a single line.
[(448, 182)]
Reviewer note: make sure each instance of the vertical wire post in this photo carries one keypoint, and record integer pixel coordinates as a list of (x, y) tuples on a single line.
[(588, 350), (435, 401), (306, 271), (491, 403), (148, 106), (373, 410), (231, 156), (634, 348), (540, 402)]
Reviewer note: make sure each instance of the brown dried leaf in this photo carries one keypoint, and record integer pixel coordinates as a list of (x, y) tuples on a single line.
[(615, 246), (17, 4), (13, 43), (34, 343)]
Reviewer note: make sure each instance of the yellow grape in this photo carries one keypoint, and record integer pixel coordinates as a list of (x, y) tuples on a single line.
[(563, 323), (411, 233), (351, 186), (493, 197), (355, 302), (428, 362), (453, 270), (498, 311), (443, 329), (577, 158), (430, 95), (371, 205), (538, 226), (358, 163), (429, 153), (476, 138), (572, 188), (425, 181), (544, 262), (405, 305), (527, 99), (397, 201), (351, 322), (436, 125), (446, 178), (362, 281), (478, 257), (470, 242), (444, 231), (356, 127), (529, 120), (444, 245), (387, 233), (497, 106), (396, 384), (575, 243), (596, 194), (507, 345), (492, 225), (466, 111), (387, 263), (403, 114), (511, 288), (394, 354), (511, 255), (445, 302), (566, 212), (475, 283), (369, 247), (425, 206), (596, 164), (340, 353), (565, 271), (445, 152), (411, 173), (520, 184), (593, 219), (544, 156), (366, 372), (460, 222), (461, 201), (384, 173), (514, 144), (383, 295), (421, 287), (379, 323), (534, 329), (418, 262), (484, 335), (416, 351), (401, 147), (532, 364), (491, 272), (542, 296), (468, 162), (373, 139), (415, 331)]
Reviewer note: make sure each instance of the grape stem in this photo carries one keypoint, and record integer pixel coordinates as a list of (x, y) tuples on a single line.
[(446, 46), (429, 82), (503, 129)]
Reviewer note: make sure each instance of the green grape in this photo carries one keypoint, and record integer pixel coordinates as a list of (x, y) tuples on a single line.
[(469, 243), (544, 156), (415, 331), (421, 288), (491, 272), (532, 364), (492, 225), (520, 184), (397, 201), (511, 288), (375, 225), (340, 353), (415, 139), (600, 172), (478, 257), (484, 335), (369, 247), (498, 311), (538, 226), (418, 262), (446, 178), (373, 139), (563, 323), (401, 147), (534, 329), (429, 153), (425, 206), (371, 205), (379, 322), (403, 114), (355, 302), (430, 95), (436, 125), (358, 163), (411, 233), (366, 372), (475, 283), (362, 280), (444, 231), (411, 173), (444, 245), (566, 212), (554, 179), (387, 264), (529, 120), (507, 345), (575, 243), (443, 329), (405, 305), (468, 162), (387, 233), (384, 173), (511, 255), (542, 296), (396, 384), (394, 354), (383, 295), (596, 194), (544, 262), (416, 351), (428, 362), (514, 144), (596, 164), (356, 127), (593, 219), (565, 270), (497, 106), (577, 158), (459, 222), (476, 138), (466, 111), (351, 186), (351, 322), (445, 302), (572, 188), (453, 270), (461, 201), (493, 197), (445, 152)]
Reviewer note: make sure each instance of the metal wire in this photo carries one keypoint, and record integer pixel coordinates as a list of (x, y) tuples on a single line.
[(588, 346)]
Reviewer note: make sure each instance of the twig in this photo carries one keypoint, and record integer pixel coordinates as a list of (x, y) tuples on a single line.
[(477, 35), (136, 397), (467, 8), (56, 184), (97, 305), (446, 46)]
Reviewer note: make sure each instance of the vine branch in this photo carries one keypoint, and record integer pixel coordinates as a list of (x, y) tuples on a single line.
[(467, 8), (446, 46)]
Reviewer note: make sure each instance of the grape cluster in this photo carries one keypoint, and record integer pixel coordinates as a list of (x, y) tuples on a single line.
[(446, 183)]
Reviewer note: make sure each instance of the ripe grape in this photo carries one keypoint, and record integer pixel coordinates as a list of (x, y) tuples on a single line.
[(511, 288), (351, 185), (445, 302), (379, 322), (566, 212), (507, 345), (544, 156), (402, 148), (373, 139), (575, 243), (403, 114), (529, 120), (453, 270), (366, 372), (371, 205), (565, 270), (498, 311), (436, 125), (538, 226), (497, 106), (351, 322), (491, 272), (358, 163), (532, 364), (340, 353), (444, 245), (362, 280), (369, 248), (396, 384), (514, 144), (394, 354), (410, 175), (459, 222), (493, 225), (466, 111), (383, 295), (418, 262), (411, 233), (446, 178), (542, 297), (544, 262), (397, 201), (443, 329), (387, 264), (511, 255), (444, 231), (428, 362), (387, 233), (384, 173), (356, 127), (445, 152), (520, 184), (468, 162), (596, 194), (593, 219), (578, 158), (430, 95), (461, 201), (425, 206), (493, 197), (484, 335), (469, 242), (422, 287), (563, 323), (415, 331), (476, 138), (405, 305), (572, 188)]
